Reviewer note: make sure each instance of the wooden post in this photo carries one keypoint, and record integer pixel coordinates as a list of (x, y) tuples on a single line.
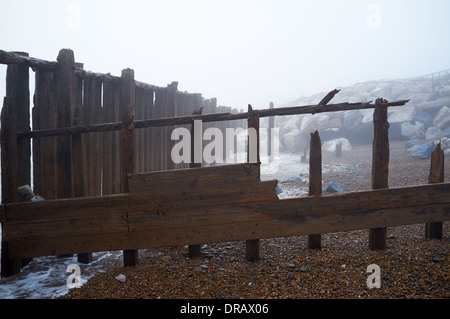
[(315, 180), (79, 167), (269, 135), (194, 251), (17, 87), (339, 150), (65, 113), (252, 245), (434, 230), (44, 149), (9, 176), (130, 257), (380, 165)]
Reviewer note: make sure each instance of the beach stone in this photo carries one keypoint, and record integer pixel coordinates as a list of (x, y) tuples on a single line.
[(121, 278), (293, 179), (334, 187), (304, 268), (423, 151)]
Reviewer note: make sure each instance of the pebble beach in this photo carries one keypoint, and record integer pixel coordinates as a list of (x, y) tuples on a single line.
[(412, 267)]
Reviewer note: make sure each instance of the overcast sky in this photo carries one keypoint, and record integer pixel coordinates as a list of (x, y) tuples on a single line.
[(238, 51)]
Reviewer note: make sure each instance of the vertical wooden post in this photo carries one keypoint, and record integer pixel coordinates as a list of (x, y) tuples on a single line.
[(9, 176), (252, 245), (380, 165), (17, 87), (338, 150), (130, 257), (315, 180), (269, 135), (195, 250), (44, 149), (434, 230), (65, 112), (171, 104), (79, 168)]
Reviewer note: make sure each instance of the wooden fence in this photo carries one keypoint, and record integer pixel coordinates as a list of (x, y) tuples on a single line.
[(168, 207), (66, 95)]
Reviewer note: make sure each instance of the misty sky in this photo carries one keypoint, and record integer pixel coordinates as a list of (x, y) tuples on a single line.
[(238, 51)]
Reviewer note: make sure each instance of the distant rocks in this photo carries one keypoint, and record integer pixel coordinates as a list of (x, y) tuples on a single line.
[(426, 117)]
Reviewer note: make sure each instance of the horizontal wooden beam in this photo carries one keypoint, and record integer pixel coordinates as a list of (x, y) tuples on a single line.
[(216, 117), (128, 221)]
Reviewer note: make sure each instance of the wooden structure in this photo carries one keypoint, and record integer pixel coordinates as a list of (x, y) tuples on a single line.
[(139, 200)]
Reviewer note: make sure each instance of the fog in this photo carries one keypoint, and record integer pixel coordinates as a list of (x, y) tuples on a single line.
[(238, 51)]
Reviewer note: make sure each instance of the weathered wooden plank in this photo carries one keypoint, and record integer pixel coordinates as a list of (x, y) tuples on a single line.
[(44, 149), (92, 112), (209, 195), (66, 208), (185, 178), (159, 120), (238, 224), (152, 226)]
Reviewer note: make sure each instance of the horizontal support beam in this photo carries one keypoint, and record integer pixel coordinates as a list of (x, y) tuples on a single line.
[(216, 117), (128, 221)]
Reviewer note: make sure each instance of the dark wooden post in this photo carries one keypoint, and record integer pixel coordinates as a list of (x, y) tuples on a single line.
[(434, 230), (194, 251), (315, 180), (252, 245), (380, 165), (17, 87), (79, 168), (269, 135), (9, 176), (338, 150), (130, 256), (65, 113)]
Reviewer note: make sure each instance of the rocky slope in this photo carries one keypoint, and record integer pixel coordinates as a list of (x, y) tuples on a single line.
[(425, 118)]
